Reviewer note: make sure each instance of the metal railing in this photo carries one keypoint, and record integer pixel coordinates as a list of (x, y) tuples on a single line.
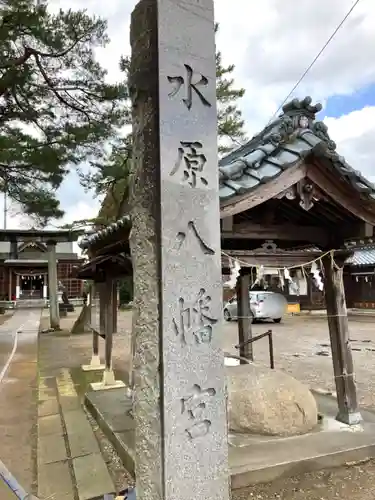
[(258, 337)]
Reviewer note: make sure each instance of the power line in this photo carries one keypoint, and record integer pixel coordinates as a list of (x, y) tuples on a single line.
[(316, 58)]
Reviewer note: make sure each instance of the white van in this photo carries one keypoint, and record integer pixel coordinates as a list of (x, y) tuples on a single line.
[(264, 305)]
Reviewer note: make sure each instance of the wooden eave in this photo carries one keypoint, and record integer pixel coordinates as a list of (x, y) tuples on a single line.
[(338, 189), (102, 266), (115, 242)]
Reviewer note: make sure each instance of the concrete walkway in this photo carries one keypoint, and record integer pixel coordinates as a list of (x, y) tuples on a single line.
[(18, 373), (70, 464)]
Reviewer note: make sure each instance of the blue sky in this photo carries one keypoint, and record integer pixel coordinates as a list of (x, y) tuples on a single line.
[(271, 43), (339, 105)]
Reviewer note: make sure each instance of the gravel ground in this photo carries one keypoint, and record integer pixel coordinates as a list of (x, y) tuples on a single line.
[(301, 347), (355, 482)]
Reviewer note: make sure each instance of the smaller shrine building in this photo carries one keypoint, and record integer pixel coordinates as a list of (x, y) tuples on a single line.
[(24, 263)]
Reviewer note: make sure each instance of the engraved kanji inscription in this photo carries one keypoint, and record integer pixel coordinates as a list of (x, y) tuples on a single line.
[(195, 323), (187, 82), (195, 408), (191, 162), (181, 237)]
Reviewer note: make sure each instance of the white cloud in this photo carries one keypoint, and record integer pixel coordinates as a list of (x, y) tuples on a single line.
[(271, 43), (354, 135)]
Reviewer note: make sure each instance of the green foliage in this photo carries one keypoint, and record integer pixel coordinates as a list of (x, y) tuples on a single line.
[(111, 177), (229, 117), (126, 290), (56, 110)]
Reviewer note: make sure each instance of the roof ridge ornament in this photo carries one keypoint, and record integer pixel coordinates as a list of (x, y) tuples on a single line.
[(302, 107)]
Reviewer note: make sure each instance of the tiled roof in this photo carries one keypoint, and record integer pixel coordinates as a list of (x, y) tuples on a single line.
[(293, 136), (90, 239), (363, 257)]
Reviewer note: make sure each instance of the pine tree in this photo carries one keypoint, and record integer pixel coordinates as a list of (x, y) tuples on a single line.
[(231, 132), (56, 110)]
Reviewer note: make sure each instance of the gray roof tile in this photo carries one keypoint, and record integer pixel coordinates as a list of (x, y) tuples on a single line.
[(363, 257), (292, 136)]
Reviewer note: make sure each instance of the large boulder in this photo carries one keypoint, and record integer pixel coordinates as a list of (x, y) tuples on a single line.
[(268, 402)]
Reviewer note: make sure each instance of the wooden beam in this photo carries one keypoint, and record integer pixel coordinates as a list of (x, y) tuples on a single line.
[(264, 192), (289, 232), (341, 192), (227, 223)]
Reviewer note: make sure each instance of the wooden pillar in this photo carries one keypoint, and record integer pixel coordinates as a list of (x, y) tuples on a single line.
[(244, 315), (108, 322), (101, 287), (114, 305), (10, 284), (340, 344), (52, 283), (95, 364), (95, 336), (107, 297)]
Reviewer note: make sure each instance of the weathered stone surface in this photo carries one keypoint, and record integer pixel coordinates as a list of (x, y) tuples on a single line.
[(265, 401), (92, 476), (54, 481)]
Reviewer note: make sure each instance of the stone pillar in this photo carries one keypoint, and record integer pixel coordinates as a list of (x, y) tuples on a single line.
[(179, 409), (244, 316), (95, 363), (340, 344), (18, 290), (52, 283)]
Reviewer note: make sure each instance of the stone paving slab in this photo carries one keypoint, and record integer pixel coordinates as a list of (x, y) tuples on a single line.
[(93, 480), (81, 438), (111, 411), (54, 481), (51, 449), (50, 424), (70, 464), (48, 407)]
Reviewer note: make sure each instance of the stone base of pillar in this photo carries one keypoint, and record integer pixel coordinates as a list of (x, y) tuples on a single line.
[(350, 418), (95, 365), (108, 382)]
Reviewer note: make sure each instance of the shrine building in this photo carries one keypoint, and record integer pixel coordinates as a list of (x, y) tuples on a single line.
[(24, 258)]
